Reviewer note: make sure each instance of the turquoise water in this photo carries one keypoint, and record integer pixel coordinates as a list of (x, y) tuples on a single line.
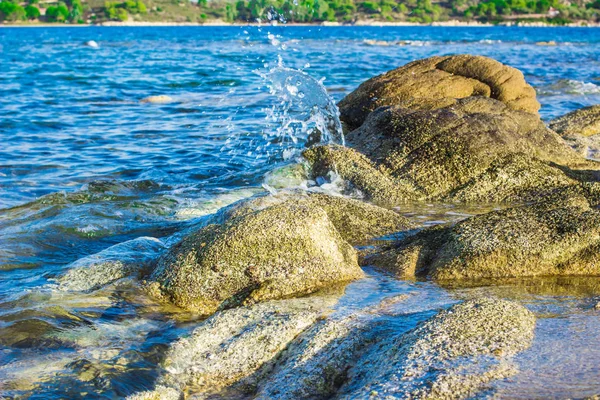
[(85, 165)]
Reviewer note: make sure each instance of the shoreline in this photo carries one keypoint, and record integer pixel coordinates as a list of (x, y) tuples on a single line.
[(360, 23)]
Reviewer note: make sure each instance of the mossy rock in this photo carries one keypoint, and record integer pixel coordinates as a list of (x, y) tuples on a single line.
[(453, 355), (470, 150), (454, 77), (556, 237), (283, 250), (583, 122)]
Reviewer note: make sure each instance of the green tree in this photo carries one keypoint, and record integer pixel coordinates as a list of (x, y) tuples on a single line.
[(122, 14), (32, 12), (58, 13), (76, 11), (141, 7), (11, 12)]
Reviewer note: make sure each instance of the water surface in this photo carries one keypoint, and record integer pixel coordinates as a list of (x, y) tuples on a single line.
[(85, 165)]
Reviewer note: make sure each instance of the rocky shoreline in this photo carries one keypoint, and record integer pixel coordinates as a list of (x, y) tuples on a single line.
[(267, 271)]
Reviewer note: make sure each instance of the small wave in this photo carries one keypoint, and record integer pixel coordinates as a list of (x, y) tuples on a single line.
[(383, 43), (569, 86), (109, 265)]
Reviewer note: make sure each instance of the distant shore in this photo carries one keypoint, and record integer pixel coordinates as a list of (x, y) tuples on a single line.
[(451, 23)]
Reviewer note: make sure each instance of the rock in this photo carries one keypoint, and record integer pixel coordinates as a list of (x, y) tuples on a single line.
[(554, 237), (160, 393), (360, 172), (452, 355), (289, 349), (454, 77), (474, 149), (316, 364), (92, 43), (160, 99), (583, 122), (116, 262), (293, 175), (356, 221), (240, 344), (286, 249)]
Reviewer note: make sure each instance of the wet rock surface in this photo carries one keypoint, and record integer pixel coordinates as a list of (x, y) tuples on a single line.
[(116, 262), (238, 347), (284, 350), (582, 122)]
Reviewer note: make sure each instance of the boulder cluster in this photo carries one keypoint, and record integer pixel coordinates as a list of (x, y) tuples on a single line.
[(267, 271)]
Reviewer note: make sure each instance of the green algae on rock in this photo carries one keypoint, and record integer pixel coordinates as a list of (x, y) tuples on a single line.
[(456, 76), (283, 250), (583, 122), (452, 355), (559, 236)]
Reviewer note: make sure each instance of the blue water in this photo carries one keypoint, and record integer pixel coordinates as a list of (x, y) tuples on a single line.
[(85, 165)]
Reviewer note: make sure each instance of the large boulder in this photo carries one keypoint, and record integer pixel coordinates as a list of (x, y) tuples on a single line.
[(474, 149), (451, 356), (559, 236), (287, 249), (456, 76), (582, 122)]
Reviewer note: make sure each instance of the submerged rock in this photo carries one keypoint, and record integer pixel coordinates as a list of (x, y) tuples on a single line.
[(474, 149), (554, 237), (284, 349), (582, 122), (160, 99), (452, 355), (454, 77), (286, 249), (116, 262)]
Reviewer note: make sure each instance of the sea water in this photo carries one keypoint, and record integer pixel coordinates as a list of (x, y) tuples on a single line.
[(85, 166)]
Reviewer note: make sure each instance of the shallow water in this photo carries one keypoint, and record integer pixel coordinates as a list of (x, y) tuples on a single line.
[(84, 166)]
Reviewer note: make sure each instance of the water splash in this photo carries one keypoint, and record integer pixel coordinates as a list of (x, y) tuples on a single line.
[(306, 113)]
